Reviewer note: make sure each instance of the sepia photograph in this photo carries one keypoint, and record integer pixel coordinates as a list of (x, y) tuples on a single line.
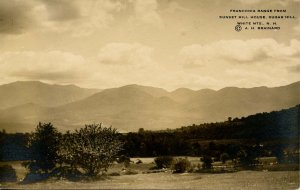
[(150, 94)]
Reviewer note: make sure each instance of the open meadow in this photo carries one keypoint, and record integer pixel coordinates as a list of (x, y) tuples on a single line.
[(138, 176)]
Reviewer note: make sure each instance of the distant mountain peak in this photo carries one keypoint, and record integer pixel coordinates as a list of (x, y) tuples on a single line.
[(179, 90), (22, 92), (135, 106), (27, 83)]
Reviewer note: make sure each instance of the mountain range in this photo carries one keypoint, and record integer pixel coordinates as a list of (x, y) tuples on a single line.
[(128, 108)]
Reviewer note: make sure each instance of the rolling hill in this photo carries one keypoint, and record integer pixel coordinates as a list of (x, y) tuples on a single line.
[(131, 107), (24, 92)]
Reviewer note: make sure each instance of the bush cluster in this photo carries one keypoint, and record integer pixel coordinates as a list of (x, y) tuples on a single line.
[(164, 161), (93, 149), (181, 165)]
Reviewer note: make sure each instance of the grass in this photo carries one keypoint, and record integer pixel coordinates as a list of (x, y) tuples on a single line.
[(115, 179)]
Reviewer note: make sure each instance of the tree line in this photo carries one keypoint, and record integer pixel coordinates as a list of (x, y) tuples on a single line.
[(269, 131), (94, 148)]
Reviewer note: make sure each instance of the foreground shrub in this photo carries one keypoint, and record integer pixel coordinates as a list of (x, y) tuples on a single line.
[(163, 161), (7, 174), (93, 148), (181, 165), (207, 162)]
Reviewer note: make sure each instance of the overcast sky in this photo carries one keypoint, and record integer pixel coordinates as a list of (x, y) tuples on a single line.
[(162, 43)]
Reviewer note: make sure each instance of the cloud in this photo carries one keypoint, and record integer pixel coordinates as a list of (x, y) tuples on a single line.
[(95, 15), (297, 27), (51, 66), (77, 17), (146, 12), (249, 2), (243, 63), (279, 2), (294, 68), (239, 51), (62, 10), (116, 64), (15, 16), (125, 54), (174, 7)]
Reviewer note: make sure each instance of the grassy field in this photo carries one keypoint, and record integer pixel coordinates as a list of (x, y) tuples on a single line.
[(167, 180)]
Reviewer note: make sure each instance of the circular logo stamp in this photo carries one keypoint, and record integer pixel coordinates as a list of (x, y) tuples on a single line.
[(238, 28)]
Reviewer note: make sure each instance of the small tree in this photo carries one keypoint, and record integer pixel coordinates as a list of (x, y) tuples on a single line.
[(92, 148), (207, 162), (44, 144)]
